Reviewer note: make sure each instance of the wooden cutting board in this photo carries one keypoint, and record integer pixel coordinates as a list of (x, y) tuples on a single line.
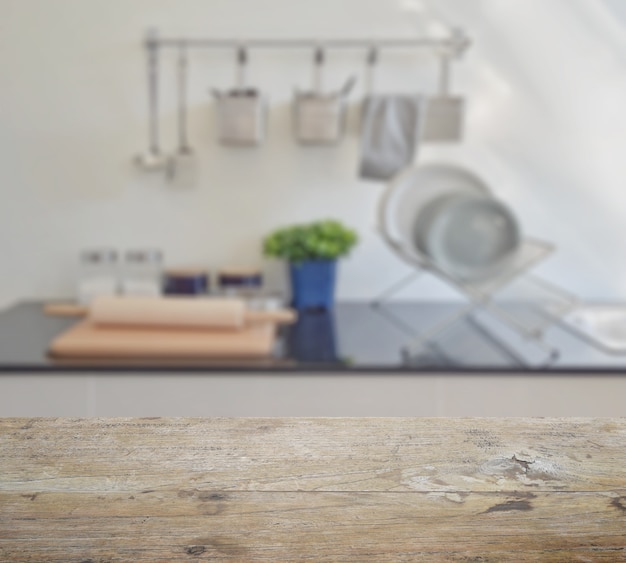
[(86, 340)]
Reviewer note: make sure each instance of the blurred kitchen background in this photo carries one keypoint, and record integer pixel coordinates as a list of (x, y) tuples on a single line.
[(545, 83)]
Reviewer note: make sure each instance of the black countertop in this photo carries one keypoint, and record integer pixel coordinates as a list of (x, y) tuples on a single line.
[(355, 337)]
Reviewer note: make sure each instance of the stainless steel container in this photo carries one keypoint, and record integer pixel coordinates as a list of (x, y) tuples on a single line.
[(318, 117), (242, 111), (242, 117)]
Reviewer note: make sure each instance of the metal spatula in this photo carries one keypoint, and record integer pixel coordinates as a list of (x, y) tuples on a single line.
[(444, 112)]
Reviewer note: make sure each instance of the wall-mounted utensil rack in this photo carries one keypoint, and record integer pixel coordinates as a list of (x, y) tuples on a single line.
[(445, 48)]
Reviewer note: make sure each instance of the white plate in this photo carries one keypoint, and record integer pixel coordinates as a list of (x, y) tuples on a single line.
[(414, 189), (468, 236)]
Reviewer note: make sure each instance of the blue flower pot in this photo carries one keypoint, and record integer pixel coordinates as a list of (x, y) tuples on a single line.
[(313, 284)]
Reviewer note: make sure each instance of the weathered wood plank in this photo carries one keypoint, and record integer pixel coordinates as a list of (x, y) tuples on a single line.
[(313, 490), (265, 525), (313, 454)]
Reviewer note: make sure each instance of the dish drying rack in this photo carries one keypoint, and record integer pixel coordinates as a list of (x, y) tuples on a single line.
[(502, 322)]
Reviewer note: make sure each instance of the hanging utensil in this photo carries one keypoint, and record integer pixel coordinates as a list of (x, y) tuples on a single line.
[(183, 76), (153, 159), (319, 118), (444, 112), (242, 111), (183, 169)]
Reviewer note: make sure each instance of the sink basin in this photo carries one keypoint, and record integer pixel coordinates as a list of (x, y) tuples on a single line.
[(605, 325)]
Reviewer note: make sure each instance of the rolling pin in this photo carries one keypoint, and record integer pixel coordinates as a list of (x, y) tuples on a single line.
[(172, 312)]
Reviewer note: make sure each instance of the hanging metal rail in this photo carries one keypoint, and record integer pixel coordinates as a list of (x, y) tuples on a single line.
[(456, 44)]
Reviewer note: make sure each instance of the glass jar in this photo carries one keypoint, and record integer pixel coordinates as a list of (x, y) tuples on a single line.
[(98, 274), (242, 283), (143, 270), (188, 281), (248, 285)]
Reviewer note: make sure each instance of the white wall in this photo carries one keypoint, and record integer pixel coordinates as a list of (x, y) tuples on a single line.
[(546, 81)]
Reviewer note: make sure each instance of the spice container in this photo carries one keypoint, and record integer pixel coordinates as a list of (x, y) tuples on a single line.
[(244, 283), (189, 281), (98, 274), (247, 284), (142, 272)]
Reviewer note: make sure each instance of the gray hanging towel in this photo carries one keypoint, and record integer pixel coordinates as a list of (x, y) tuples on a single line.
[(390, 134)]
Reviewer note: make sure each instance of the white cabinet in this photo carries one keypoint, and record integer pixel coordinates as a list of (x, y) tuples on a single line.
[(311, 394)]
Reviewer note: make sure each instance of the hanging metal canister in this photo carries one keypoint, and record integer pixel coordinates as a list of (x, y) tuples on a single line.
[(320, 118), (242, 111)]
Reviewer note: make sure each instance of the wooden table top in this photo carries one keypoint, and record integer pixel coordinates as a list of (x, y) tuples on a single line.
[(470, 490)]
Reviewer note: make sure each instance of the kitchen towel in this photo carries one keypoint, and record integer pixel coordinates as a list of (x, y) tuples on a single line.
[(390, 134)]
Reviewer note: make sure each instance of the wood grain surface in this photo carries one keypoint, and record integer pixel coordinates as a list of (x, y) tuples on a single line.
[(466, 490)]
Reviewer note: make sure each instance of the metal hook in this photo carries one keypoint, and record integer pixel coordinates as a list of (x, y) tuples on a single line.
[(242, 55), (320, 56), (242, 61), (182, 54), (372, 56), (372, 60), (152, 38), (444, 75), (458, 43)]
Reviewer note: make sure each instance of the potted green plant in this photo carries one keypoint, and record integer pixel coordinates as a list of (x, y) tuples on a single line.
[(312, 251)]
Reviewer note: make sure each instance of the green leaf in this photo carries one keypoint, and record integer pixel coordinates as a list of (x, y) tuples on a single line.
[(326, 240)]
